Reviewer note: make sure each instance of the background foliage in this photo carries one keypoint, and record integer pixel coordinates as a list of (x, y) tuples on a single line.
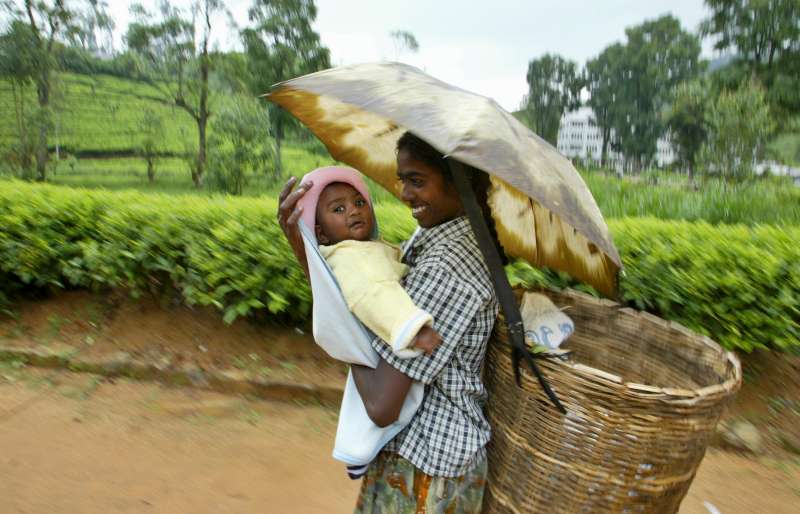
[(738, 284), (79, 119)]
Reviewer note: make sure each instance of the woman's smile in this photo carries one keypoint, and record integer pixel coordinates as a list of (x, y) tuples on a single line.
[(433, 200)]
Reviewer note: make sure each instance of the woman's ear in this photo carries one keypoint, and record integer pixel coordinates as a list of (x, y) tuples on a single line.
[(321, 237)]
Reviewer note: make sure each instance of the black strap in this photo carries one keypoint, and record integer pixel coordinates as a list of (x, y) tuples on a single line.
[(505, 295)]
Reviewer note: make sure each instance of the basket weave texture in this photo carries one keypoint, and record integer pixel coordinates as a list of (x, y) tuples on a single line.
[(643, 396)]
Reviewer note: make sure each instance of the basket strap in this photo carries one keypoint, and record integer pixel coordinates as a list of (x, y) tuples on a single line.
[(505, 295)]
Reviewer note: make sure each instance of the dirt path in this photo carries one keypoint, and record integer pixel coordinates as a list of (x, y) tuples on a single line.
[(74, 444), (78, 446), (736, 484), (98, 326)]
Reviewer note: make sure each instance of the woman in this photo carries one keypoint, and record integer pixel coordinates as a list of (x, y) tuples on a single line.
[(438, 462)]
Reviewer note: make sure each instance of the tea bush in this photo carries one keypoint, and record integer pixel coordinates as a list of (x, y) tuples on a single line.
[(214, 251), (740, 285)]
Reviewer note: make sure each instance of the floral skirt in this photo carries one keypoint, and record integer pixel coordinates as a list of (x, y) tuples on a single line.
[(393, 485)]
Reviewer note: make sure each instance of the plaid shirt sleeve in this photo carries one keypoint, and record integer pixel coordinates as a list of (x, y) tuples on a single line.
[(453, 305)]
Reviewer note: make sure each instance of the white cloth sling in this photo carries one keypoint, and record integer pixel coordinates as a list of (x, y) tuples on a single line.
[(337, 331)]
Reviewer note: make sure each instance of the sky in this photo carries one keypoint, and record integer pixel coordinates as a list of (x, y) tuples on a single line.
[(483, 46)]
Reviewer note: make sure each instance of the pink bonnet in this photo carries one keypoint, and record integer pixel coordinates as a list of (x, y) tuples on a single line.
[(321, 178)]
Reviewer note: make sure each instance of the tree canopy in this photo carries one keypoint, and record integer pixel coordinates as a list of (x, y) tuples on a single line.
[(764, 37), (554, 86), (37, 30), (177, 63), (282, 44), (629, 85)]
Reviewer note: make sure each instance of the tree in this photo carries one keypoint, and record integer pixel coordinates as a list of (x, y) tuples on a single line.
[(760, 30), (17, 47), (554, 86), (96, 29), (603, 78), (657, 56), (280, 45), (151, 137), (48, 24), (231, 73), (404, 40), (176, 66), (739, 123), (686, 120), (765, 35), (238, 148)]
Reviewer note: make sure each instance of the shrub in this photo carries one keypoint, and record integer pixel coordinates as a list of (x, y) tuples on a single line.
[(214, 251), (239, 147), (739, 123), (740, 285)]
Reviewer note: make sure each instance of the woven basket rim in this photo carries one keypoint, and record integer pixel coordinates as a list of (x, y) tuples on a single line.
[(732, 383)]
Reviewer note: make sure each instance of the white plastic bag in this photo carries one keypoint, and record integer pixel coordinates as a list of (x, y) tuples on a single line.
[(544, 323)]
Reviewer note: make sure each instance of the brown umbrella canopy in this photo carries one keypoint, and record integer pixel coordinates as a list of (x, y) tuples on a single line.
[(543, 211)]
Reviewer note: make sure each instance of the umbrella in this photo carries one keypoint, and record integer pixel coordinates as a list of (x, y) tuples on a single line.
[(543, 211)]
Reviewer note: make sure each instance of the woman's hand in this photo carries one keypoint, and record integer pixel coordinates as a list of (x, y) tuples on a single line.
[(289, 214)]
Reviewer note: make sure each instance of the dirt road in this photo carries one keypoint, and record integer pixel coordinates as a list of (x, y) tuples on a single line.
[(79, 446), (72, 443)]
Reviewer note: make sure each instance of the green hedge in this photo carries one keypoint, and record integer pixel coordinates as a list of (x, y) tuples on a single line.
[(740, 285), (216, 251)]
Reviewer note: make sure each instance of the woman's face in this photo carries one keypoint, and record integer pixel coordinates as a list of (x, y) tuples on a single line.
[(433, 200)]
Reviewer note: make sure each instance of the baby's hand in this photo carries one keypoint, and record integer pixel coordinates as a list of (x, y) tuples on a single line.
[(427, 340)]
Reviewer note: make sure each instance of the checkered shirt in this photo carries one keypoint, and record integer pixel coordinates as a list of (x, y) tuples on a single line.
[(449, 279)]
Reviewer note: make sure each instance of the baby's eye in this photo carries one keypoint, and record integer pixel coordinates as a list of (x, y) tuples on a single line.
[(361, 202), (338, 209)]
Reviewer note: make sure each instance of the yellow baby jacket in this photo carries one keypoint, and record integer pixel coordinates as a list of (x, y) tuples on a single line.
[(369, 274)]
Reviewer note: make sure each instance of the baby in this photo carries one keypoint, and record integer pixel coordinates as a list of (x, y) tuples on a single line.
[(369, 271)]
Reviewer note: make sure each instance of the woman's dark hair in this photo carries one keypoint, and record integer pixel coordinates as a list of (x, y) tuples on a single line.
[(422, 151)]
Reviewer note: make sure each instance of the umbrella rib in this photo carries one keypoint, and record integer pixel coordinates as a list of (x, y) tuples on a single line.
[(535, 232)]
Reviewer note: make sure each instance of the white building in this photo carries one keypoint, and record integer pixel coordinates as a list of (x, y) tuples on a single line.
[(580, 138), (779, 170)]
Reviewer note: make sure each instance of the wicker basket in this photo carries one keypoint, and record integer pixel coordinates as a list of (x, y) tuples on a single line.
[(643, 396)]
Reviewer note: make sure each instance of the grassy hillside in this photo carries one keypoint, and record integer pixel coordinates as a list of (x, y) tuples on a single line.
[(771, 200), (98, 121), (172, 174), (100, 114)]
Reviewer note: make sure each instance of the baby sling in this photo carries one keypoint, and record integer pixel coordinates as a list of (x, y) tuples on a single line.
[(342, 336)]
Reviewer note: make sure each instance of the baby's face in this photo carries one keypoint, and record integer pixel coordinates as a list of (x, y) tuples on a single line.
[(343, 213)]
